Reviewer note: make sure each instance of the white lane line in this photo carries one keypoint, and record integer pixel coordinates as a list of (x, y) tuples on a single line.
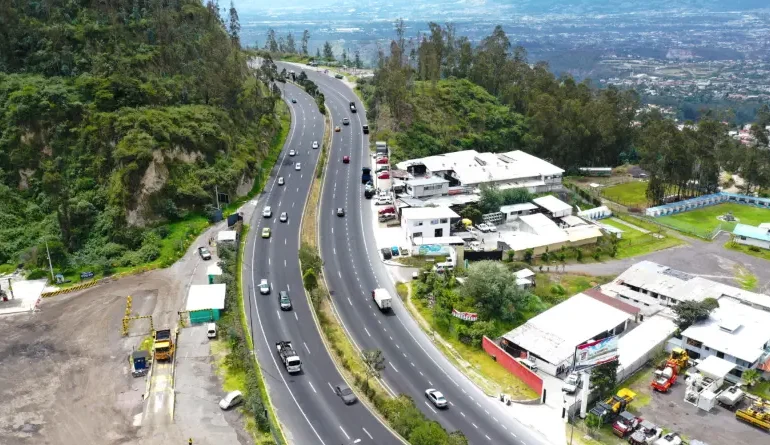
[(311, 386), (431, 408), (343, 432), (330, 386), (474, 425), (487, 437), (296, 317), (268, 261), (292, 205), (394, 368), (462, 413), (423, 375), (308, 349), (279, 313), (464, 391), (367, 433), (288, 288), (367, 332), (486, 412), (506, 428), (340, 274), (351, 303), (284, 263), (514, 435), (284, 241), (412, 364), (430, 383)]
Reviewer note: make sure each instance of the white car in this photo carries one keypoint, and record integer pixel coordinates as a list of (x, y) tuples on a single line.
[(382, 200), (436, 398), (264, 287), (281, 181), (491, 227), (231, 399), (292, 152), (284, 217), (315, 144), (297, 166), (267, 212)]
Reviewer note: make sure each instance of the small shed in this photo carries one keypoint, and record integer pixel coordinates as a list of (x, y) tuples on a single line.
[(227, 236), (525, 278), (213, 272), (140, 361), (555, 207), (205, 302)]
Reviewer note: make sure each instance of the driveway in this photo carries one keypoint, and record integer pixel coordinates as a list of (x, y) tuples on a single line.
[(708, 260)]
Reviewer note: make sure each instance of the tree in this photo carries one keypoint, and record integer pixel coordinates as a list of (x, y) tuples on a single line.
[(328, 52), (750, 376), (270, 43), (318, 53), (375, 363), (472, 213), (344, 56), (309, 279), (357, 60), (305, 40), (291, 47), (457, 438), (689, 312), (320, 100), (428, 433), (492, 289), (529, 255), (604, 378), (234, 26)]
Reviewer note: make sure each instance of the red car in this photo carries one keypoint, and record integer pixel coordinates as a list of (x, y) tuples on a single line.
[(346, 159), (389, 209), (383, 175), (382, 160)]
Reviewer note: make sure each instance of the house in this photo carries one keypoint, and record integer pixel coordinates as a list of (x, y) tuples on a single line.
[(553, 206), (426, 188), (733, 332), (514, 211), (205, 302), (752, 236), (427, 222)]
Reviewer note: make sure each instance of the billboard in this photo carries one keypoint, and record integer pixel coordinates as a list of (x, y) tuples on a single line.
[(467, 316), (595, 353), (433, 250)]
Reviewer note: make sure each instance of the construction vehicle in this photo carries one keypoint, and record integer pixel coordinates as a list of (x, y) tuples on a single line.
[(757, 414), (665, 376), (164, 345), (613, 406), (382, 299), (647, 433), (289, 357), (731, 397), (626, 424), (680, 357), (669, 439)]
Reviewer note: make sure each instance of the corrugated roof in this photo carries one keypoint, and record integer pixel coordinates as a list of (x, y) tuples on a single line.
[(413, 213), (518, 207), (206, 296), (751, 232), (552, 204)]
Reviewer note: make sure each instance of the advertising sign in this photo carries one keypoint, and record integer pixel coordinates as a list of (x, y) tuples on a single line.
[(433, 250), (596, 353), (467, 316)]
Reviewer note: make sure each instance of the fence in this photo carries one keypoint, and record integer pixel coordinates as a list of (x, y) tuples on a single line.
[(492, 255), (532, 380)]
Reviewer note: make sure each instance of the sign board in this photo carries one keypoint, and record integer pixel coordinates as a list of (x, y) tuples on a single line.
[(86, 275), (467, 316), (595, 353), (433, 249)]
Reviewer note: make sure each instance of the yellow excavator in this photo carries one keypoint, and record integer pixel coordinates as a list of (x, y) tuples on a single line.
[(680, 357), (757, 414)]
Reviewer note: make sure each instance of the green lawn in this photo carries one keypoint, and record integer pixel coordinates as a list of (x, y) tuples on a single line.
[(635, 243), (703, 221), (761, 389), (553, 288), (630, 194), (762, 253)]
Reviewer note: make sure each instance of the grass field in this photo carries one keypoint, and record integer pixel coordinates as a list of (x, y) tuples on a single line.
[(635, 243), (630, 194), (703, 221)]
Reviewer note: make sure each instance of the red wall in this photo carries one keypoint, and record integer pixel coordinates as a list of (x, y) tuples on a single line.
[(508, 362)]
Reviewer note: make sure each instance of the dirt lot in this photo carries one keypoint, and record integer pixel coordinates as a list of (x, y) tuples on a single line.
[(65, 373)]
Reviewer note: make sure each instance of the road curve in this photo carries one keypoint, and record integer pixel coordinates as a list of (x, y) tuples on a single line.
[(353, 268), (305, 403)]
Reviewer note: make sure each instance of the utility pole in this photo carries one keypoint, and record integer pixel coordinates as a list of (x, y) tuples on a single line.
[(216, 192), (50, 266)]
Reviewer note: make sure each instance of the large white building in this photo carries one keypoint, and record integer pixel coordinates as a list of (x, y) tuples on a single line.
[(427, 222), (467, 170)]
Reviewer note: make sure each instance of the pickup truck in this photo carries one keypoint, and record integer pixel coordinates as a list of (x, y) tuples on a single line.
[(289, 357), (571, 383), (382, 299)]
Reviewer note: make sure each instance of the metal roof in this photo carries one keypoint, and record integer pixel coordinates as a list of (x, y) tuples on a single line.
[(752, 232), (206, 296)]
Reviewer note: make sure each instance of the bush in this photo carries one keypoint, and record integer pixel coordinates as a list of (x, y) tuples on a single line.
[(37, 274), (755, 249)]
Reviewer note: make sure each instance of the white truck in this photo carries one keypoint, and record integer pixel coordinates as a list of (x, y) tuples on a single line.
[(289, 357), (382, 299)]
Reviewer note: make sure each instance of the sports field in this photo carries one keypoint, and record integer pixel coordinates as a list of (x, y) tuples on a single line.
[(702, 222), (629, 194)]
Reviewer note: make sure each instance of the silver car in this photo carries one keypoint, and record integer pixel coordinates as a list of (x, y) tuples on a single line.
[(436, 398)]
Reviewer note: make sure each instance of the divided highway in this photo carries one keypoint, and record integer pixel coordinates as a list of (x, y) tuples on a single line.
[(305, 403), (353, 268)]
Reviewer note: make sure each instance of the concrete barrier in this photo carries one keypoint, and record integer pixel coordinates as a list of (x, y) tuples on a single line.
[(505, 359)]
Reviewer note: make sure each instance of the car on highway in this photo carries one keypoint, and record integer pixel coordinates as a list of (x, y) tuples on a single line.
[(436, 398), (266, 232), (345, 121), (284, 300), (346, 159), (281, 181), (337, 129), (292, 152), (366, 129), (345, 393), (340, 211), (315, 144), (204, 253), (293, 100), (339, 76), (267, 212), (264, 287), (297, 166), (232, 399), (284, 217)]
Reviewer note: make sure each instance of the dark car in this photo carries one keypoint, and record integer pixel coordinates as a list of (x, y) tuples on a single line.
[(204, 253), (346, 159), (386, 253), (294, 101), (284, 300), (339, 76), (340, 211), (345, 393), (366, 129)]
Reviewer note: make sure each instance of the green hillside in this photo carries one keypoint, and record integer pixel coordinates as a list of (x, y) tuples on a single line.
[(117, 117)]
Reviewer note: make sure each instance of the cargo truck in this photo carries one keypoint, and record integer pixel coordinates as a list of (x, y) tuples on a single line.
[(289, 357), (164, 345), (382, 299)]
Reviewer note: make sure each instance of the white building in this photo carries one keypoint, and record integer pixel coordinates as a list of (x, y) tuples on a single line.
[(538, 224), (525, 278), (733, 332), (514, 211), (427, 222), (752, 236), (555, 207), (428, 187), (467, 170)]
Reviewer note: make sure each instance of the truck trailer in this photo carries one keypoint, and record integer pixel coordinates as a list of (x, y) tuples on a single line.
[(382, 299)]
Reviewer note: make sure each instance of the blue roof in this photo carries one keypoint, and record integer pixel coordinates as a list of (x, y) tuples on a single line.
[(751, 232)]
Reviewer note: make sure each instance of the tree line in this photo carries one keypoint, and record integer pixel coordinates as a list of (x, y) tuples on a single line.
[(280, 45)]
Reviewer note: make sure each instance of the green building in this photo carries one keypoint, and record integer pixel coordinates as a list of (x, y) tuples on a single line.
[(205, 302)]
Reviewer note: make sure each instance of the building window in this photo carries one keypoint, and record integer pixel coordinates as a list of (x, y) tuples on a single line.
[(417, 234), (444, 220), (720, 354), (433, 222), (736, 372), (418, 224), (743, 238), (694, 343), (743, 363)]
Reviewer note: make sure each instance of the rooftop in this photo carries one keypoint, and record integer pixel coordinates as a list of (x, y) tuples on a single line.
[(752, 232), (412, 213), (518, 207), (552, 204), (734, 329), (554, 334), (206, 296), (541, 224), (473, 168), (573, 221), (426, 181), (715, 366), (226, 235)]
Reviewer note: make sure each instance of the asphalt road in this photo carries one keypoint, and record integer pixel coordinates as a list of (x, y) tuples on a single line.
[(305, 403), (353, 268)]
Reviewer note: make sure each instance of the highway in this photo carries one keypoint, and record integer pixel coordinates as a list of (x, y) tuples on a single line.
[(353, 268), (305, 403)]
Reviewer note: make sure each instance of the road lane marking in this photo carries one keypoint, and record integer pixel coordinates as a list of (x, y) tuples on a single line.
[(367, 433), (331, 387), (308, 349), (462, 413), (474, 425), (394, 368), (296, 317), (430, 407), (351, 303), (367, 332), (288, 288), (312, 387), (279, 313), (343, 432), (487, 437)]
